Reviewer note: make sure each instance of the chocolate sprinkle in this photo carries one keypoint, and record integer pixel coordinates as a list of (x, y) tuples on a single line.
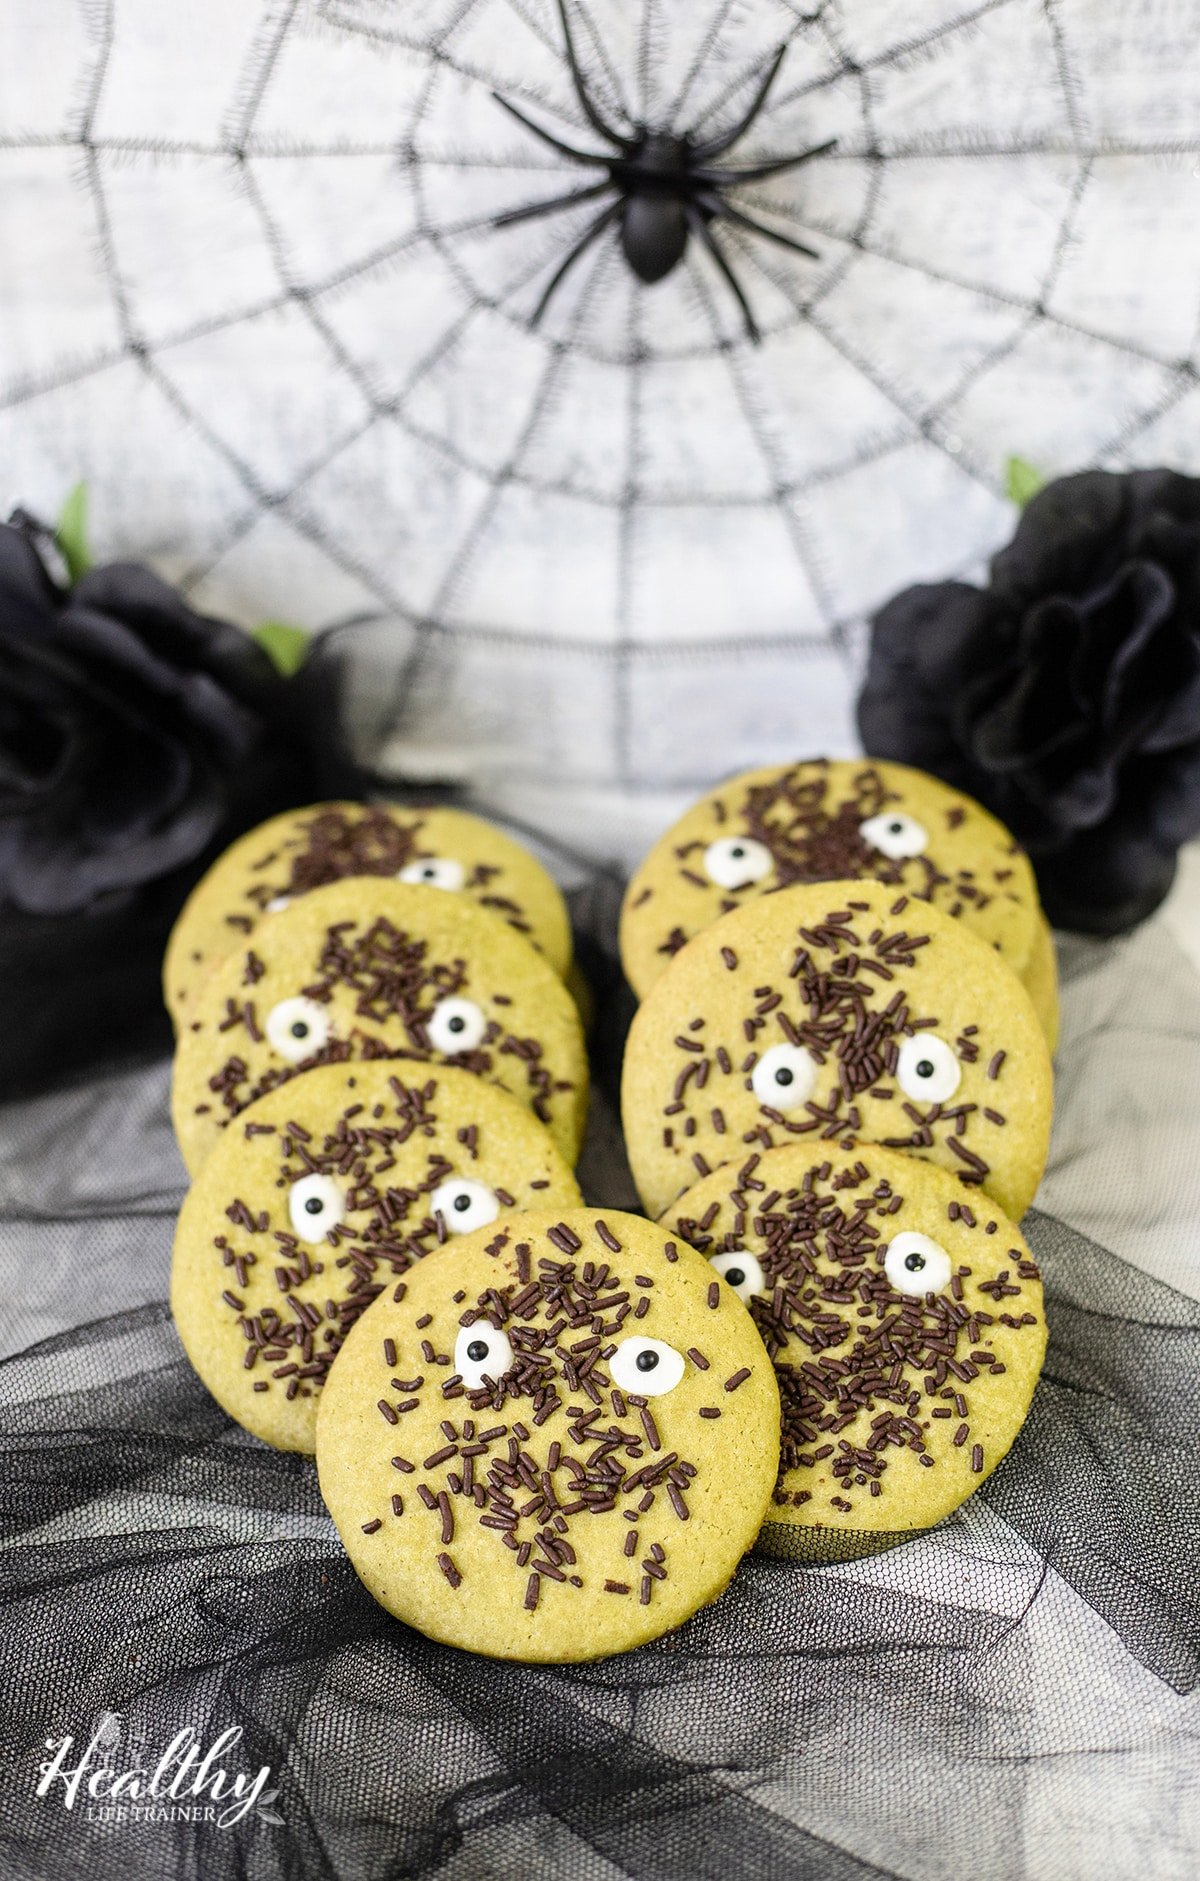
[(844, 1342), (388, 1226), (840, 1004), (562, 1317), (810, 818), (388, 980)]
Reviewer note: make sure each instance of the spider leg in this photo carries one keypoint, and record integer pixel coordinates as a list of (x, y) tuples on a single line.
[(726, 179), (594, 229), (590, 112), (555, 143), (724, 211), (703, 152), (548, 208), (703, 234)]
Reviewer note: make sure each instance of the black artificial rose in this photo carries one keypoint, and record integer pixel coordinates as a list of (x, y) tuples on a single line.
[(1066, 694), (125, 719)]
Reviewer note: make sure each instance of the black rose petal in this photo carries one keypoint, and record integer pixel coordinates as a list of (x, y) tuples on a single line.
[(27, 590), (1111, 877), (173, 632), (124, 719), (1066, 694), (922, 654), (1172, 796)]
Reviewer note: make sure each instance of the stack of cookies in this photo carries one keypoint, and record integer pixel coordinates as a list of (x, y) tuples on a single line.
[(547, 1432), (376, 1053), (838, 1087)]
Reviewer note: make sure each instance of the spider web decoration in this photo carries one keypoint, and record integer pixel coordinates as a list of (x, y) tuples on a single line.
[(255, 293)]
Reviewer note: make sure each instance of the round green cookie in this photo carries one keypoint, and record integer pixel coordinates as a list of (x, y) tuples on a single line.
[(835, 1011), (824, 820), (1041, 981), (325, 842), (556, 1443), (320, 1195), (368, 969), (906, 1325)]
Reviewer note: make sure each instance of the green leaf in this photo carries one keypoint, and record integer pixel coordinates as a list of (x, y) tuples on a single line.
[(71, 533), (1022, 481), (286, 645)]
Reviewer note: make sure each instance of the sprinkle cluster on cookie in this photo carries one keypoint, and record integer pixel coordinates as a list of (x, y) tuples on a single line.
[(885, 1342), (527, 1351), (867, 1016), (392, 982), (560, 1433), (363, 1229), (338, 840), (824, 820), (365, 969), (322, 1194), (294, 854)]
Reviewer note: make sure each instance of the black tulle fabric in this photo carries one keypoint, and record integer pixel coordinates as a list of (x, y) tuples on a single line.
[(1014, 1695)]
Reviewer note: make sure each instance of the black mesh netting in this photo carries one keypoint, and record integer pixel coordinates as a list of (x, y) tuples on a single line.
[(1014, 1695)]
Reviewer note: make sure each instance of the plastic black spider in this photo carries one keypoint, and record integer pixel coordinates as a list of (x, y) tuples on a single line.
[(666, 188)]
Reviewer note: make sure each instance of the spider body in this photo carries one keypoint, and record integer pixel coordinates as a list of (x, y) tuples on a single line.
[(653, 182), (662, 188)]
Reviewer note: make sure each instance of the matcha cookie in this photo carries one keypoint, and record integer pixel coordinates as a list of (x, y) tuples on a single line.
[(552, 1441), (321, 1194), (835, 1011), (821, 821), (305, 849), (1041, 980), (906, 1326), (370, 969)]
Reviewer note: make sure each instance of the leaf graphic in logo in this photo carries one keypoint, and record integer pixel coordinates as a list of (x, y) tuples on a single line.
[(265, 1811)]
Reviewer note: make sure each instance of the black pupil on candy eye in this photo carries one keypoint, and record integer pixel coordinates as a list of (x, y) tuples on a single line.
[(462, 1203), (735, 1276), (784, 1076), (925, 1068), (300, 1028), (646, 1361), (914, 1262), (737, 852), (456, 1024), (429, 871), (897, 829), (477, 1351), (314, 1205)]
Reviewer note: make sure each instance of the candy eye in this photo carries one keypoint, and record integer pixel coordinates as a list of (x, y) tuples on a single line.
[(315, 1205), (743, 1271), (297, 1028), (927, 1068), (736, 861), (277, 904), (646, 1366), (434, 872), (784, 1077), (456, 1025), (463, 1204), (915, 1264), (895, 835), (482, 1352)]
